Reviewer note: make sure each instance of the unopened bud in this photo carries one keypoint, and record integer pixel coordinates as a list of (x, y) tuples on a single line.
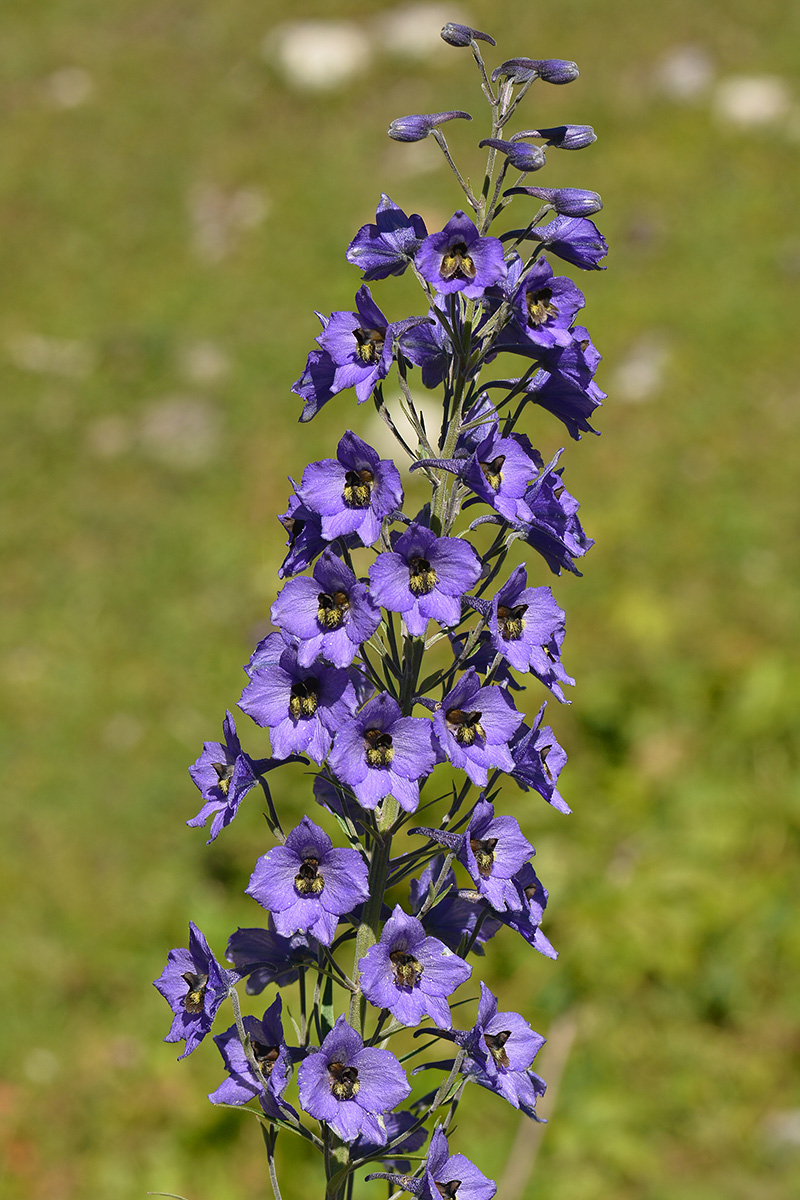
[(569, 202), (549, 70), (521, 155), (462, 35), (563, 137), (417, 126)]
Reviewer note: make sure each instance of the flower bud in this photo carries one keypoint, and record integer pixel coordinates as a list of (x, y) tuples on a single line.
[(523, 70), (418, 125), (563, 137), (462, 35), (569, 202), (521, 155)]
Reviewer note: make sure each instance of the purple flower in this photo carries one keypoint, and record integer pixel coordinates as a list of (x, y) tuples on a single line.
[(349, 1085), (424, 576), (396, 1125), (387, 247), (428, 346), (545, 306), (224, 775), (410, 973), (305, 540), (452, 917), (353, 492), (570, 202), (330, 614), (418, 125), (522, 156), (566, 400), (459, 260), (547, 519), (527, 917), (302, 707), (272, 1055), (527, 627), (500, 1047), (449, 1175), (380, 753), (538, 760), (360, 345), (474, 725), (575, 239), (193, 985), (266, 957), (316, 385), (493, 849), (307, 884), (501, 470)]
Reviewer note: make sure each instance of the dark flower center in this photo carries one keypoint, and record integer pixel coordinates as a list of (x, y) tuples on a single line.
[(496, 1042), (422, 577), (332, 608), (465, 726), (195, 995), (378, 745), (369, 344), (265, 1056), (530, 891), (493, 472), (407, 970), (308, 880), (344, 1081), (543, 753), (358, 488), (224, 776), (293, 526), (449, 1189), (303, 698), (539, 307), (483, 849), (511, 621), (457, 263)]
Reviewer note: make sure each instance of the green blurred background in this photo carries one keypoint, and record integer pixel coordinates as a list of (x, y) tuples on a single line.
[(175, 199)]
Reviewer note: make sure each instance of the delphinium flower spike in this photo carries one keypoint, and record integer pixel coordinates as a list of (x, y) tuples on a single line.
[(392, 682)]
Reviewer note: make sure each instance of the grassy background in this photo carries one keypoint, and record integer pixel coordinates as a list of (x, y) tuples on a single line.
[(170, 212)]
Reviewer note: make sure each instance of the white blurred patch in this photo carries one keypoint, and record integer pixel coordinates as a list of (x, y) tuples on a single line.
[(203, 362), (782, 1129), (750, 101), (413, 30), (381, 437), (218, 218), (322, 55), (640, 375), (122, 731), (51, 356), (40, 1065), (109, 436), (684, 73), (69, 87), (181, 431)]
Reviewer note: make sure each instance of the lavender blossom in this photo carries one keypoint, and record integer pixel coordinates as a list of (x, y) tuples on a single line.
[(330, 614), (452, 917), (493, 850), (389, 246), (459, 260), (538, 760), (350, 1086), (270, 1053), (474, 725), (410, 973), (575, 239), (379, 752), (264, 957), (353, 492), (307, 884), (224, 776), (424, 576), (194, 985)]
